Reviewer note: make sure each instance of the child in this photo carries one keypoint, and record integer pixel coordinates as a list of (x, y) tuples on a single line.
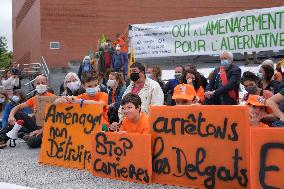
[(257, 110), (134, 120), (92, 95), (185, 94)]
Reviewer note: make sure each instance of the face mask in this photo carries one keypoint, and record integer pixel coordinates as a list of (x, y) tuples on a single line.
[(110, 83), (178, 76), (15, 99), (225, 62), (40, 89), (92, 91), (260, 75), (86, 61), (149, 76), (73, 86), (2, 100), (134, 76), (251, 89)]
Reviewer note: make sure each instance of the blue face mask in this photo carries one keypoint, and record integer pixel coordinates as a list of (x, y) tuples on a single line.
[(225, 62), (92, 91)]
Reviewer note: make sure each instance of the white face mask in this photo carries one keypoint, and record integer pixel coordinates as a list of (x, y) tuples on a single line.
[(2, 100), (73, 86), (40, 89), (92, 91), (15, 99), (110, 83)]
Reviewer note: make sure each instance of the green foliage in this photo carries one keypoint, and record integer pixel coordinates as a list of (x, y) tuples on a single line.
[(5, 55)]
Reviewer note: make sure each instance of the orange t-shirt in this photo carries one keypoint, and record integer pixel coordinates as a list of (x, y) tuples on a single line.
[(141, 127), (200, 94), (99, 97), (32, 102)]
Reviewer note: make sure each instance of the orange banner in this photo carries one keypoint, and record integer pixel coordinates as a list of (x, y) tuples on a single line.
[(122, 156), (200, 146), (267, 155), (66, 135)]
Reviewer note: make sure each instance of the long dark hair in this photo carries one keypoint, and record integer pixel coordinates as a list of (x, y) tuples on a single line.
[(197, 81)]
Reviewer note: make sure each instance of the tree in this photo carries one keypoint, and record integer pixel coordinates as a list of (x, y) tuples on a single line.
[(5, 55)]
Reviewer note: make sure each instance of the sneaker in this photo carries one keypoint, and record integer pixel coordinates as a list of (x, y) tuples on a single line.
[(3, 144)]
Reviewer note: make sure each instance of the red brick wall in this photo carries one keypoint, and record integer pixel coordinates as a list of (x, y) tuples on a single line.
[(26, 34), (78, 24)]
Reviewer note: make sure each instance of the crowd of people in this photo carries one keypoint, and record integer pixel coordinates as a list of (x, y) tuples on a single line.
[(126, 95)]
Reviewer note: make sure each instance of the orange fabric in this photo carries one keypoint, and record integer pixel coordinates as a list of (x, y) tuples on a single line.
[(99, 97), (32, 102), (256, 100), (141, 127), (184, 91), (122, 44), (263, 125), (224, 81), (200, 94)]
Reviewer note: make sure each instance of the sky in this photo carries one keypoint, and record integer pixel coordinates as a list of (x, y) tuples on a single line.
[(6, 21)]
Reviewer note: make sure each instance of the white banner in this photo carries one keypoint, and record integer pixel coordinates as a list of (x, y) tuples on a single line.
[(243, 31)]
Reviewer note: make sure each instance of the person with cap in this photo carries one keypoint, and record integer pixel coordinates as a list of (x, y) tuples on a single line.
[(223, 87), (185, 94), (257, 110)]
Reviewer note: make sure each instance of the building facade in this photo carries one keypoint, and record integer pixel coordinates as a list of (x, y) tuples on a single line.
[(63, 31)]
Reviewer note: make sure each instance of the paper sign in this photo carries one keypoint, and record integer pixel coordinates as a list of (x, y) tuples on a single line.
[(200, 146), (41, 102), (267, 158), (66, 135), (122, 156)]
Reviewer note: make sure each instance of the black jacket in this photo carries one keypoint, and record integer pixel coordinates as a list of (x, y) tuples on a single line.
[(221, 96)]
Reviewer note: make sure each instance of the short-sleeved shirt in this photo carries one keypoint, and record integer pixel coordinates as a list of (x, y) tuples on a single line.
[(141, 127), (99, 97), (32, 102)]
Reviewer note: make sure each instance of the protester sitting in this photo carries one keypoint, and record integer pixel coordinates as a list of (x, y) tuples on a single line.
[(147, 89), (172, 83), (250, 81), (9, 81), (117, 87), (17, 98), (193, 78), (134, 120), (3, 100), (155, 73), (257, 110), (223, 88), (92, 96), (266, 73), (71, 84), (185, 94), (35, 136)]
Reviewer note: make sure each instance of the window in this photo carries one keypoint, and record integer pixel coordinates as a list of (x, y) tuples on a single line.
[(54, 45)]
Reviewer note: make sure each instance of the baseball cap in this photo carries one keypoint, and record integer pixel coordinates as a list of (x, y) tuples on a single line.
[(259, 101), (184, 91)]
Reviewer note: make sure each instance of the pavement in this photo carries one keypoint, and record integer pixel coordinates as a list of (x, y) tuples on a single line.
[(19, 166)]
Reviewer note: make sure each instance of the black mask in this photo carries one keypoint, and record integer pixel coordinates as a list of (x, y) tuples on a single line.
[(251, 89), (134, 76)]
